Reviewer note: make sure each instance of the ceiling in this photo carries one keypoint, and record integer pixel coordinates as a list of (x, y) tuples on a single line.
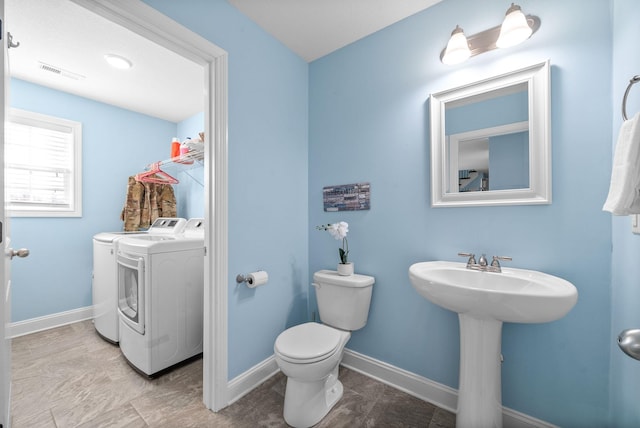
[(315, 28), (70, 42), (69, 38)]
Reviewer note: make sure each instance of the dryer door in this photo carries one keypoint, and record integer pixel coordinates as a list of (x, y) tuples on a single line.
[(131, 290)]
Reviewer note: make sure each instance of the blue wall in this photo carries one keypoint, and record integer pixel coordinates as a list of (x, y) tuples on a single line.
[(625, 372), (116, 143), (509, 161), (369, 122), (268, 164), (488, 113), (190, 192)]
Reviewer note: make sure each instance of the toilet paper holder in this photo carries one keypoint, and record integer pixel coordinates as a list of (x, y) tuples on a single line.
[(242, 278), (253, 279)]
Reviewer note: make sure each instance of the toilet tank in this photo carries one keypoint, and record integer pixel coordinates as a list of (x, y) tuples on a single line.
[(343, 301)]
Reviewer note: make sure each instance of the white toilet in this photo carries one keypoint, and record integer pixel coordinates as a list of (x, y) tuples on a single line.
[(309, 354)]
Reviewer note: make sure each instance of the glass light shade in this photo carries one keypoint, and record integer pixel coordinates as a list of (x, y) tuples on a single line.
[(117, 61), (515, 28), (457, 48)]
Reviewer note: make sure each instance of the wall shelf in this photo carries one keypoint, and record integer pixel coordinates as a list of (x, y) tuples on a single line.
[(183, 163), (189, 160)]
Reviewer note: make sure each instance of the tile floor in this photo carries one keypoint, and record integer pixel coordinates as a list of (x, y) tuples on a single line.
[(69, 377)]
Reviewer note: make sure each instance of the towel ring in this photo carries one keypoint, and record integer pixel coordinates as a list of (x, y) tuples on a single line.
[(632, 82)]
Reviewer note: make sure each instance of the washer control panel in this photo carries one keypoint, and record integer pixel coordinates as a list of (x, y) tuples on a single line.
[(168, 225)]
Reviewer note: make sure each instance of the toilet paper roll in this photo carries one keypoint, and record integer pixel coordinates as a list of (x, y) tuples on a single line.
[(257, 278)]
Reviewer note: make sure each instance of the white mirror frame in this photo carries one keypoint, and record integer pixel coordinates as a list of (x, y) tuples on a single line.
[(538, 79)]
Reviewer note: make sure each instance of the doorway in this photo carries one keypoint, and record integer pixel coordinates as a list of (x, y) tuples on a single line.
[(148, 23)]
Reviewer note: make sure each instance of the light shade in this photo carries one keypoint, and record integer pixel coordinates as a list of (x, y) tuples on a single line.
[(515, 29), (457, 49), (117, 61)]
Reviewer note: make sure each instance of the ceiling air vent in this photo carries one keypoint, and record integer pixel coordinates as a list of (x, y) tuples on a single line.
[(60, 71), (46, 67)]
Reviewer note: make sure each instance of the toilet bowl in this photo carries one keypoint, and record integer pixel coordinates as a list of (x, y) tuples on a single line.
[(309, 354)]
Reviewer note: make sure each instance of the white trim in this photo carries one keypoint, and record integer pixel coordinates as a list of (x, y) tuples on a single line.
[(247, 381), (425, 389), (514, 419), (150, 23), (33, 325), (411, 383), (539, 191), (216, 387), (57, 124)]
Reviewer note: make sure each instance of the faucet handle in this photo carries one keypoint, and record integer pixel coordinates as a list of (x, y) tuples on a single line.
[(495, 261), (472, 258)]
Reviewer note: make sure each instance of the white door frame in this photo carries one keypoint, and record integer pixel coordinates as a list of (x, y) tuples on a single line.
[(151, 24), (5, 242)]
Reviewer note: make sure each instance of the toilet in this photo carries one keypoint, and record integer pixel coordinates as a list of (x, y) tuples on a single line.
[(309, 354)]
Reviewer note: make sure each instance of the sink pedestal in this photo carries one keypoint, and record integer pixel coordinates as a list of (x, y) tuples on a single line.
[(483, 301), (480, 390)]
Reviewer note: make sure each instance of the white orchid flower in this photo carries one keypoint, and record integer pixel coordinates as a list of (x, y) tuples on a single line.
[(333, 230), (342, 229)]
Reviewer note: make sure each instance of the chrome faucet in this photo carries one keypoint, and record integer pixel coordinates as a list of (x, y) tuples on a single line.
[(482, 264)]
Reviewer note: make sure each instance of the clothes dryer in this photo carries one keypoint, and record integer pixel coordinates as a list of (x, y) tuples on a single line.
[(160, 298), (104, 284)]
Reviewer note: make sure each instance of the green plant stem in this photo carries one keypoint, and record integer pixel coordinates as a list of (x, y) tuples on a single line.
[(345, 253)]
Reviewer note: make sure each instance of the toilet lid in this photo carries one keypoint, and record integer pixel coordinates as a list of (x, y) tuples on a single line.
[(309, 342)]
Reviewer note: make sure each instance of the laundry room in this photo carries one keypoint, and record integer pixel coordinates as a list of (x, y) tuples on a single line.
[(126, 131)]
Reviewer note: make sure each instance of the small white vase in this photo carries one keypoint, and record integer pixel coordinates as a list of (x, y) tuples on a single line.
[(345, 269)]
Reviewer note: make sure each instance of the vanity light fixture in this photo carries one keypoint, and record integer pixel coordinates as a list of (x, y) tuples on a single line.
[(117, 61), (458, 47), (515, 29)]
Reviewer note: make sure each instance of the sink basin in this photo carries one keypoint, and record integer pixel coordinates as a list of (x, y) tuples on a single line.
[(515, 295), (483, 301)]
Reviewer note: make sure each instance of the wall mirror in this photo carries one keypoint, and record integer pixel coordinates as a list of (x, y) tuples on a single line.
[(491, 141)]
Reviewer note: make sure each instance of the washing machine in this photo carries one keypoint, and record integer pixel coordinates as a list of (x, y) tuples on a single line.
[(160, 298), (104, 285)]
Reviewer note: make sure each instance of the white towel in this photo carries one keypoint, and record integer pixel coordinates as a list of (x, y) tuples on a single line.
[(624, 191)]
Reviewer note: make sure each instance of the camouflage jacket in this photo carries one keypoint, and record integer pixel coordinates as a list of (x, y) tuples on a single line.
[(145, 202)]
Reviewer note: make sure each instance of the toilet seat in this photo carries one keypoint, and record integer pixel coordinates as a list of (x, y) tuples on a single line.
[(307, 343)]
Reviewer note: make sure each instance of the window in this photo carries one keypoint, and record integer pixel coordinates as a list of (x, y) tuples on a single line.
[(43, 173)]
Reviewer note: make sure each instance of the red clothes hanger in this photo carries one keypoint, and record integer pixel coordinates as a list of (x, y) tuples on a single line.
[(156, 175)]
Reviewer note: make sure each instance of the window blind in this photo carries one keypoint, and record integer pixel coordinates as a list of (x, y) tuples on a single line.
[(40, 164)]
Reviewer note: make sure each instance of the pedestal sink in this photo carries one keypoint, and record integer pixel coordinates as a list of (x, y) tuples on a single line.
[(483, 301)]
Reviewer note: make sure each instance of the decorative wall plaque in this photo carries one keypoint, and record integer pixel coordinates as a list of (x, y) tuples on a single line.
[(347, 197)]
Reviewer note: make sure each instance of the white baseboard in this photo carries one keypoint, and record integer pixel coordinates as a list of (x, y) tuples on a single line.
[(426, 389), (247, 381), (20, 328)]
